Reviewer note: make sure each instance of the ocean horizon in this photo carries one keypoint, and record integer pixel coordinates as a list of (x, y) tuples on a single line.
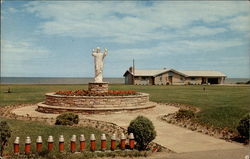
[(57, 80), (80, 80)]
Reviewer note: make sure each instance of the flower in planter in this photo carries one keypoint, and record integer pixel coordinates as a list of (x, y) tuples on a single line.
[(91, 93)]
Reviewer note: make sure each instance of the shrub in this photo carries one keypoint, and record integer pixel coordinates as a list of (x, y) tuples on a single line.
[(240, 83), (143, 130), (5, 134), (67, 119), (184, 114), (243, 127)]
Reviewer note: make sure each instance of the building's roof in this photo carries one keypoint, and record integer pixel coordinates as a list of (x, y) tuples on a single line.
[(149, 72), (197, 73), (203, 73)]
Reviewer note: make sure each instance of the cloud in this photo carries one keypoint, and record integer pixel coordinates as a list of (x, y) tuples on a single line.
[(131, 22), (20, 57), (12, 10), (179, 47), (201, 30), (21, 50), (240, 23), (209, 45)]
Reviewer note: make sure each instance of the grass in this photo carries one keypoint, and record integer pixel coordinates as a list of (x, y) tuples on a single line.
[(221, 106), (84, 155), (34, 129), (30, 93)]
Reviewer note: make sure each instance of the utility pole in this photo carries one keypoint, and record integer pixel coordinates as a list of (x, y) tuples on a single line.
[(133, 71)]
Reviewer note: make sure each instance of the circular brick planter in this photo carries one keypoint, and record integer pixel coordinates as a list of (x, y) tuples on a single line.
[(94, 104)]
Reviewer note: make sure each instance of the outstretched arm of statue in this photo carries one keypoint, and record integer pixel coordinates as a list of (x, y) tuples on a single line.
[(93, 52), (105, 52)]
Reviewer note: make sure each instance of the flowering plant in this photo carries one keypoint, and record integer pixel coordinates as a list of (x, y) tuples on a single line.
[(93, 93)]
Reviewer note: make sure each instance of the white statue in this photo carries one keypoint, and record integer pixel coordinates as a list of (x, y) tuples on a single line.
[(98, 59)]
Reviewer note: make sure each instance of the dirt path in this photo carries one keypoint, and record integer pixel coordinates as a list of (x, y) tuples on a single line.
[(175, 138)]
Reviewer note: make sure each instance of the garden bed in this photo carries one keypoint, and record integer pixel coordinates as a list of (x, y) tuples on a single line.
[(186, 118)]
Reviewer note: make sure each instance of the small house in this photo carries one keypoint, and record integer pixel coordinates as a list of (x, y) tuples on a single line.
[(172, 77)]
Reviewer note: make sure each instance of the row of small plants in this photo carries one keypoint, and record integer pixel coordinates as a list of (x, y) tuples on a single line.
[(142, 128), (93, 93)]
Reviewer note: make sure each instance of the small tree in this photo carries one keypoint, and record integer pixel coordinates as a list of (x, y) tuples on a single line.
[(143, 130), (67, 119), (5, 134), (243, 127)]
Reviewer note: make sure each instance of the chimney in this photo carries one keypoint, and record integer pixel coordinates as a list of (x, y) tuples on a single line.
[(131, 69)]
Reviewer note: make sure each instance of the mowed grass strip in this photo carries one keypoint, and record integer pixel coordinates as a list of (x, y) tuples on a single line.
[(23, 129), (30, 93), (221, 106)]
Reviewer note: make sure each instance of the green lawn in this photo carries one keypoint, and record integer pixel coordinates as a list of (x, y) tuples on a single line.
[(221, 106), (34, 129)]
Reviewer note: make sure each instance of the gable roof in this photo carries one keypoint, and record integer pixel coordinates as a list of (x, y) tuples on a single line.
[(145, 72), (152, 73), (194, 73), (149, 72), (203, 73)]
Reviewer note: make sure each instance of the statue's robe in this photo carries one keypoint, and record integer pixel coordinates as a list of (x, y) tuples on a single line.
[(98, 60)]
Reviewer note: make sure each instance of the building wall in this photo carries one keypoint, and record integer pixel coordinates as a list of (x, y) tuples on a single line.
[(160, 80), (178, 79), (143, 80), (164, 79), (193, 80), (128, 79), (198, 80), (221, 80)]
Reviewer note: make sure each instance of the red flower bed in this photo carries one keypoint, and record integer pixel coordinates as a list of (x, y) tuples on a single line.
[(92, 93)]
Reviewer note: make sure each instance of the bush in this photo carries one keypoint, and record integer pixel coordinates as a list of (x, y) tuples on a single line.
[(184, 114), (143, 130), (5, 134), (67, 119), (243, 127)]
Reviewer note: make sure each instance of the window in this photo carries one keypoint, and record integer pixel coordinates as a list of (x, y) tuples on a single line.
[(160, 78), (192, 78), (144, 78)]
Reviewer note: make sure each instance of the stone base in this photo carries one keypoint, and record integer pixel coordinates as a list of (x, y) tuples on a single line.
[(55, 103), (139, 99), (99, 87), (42, 107)]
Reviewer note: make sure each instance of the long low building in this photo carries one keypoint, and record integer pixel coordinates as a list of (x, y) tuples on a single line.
[(172, 77)]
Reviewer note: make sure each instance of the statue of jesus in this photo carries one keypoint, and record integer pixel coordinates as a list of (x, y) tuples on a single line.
[(98, 59)]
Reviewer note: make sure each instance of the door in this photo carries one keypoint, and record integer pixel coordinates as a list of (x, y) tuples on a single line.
[(203, 80), (153, 81), (170, 79)]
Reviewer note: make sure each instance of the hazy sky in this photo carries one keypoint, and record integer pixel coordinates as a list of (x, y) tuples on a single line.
[(55, 39)]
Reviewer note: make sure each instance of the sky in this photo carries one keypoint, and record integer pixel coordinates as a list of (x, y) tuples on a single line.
[(55, 38)]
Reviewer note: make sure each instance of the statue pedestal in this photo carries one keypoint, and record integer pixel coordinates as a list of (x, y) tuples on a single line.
[(99, 87)]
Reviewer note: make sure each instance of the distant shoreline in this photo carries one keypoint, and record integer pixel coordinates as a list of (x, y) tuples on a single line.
[(56, 80), (80, 80)]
